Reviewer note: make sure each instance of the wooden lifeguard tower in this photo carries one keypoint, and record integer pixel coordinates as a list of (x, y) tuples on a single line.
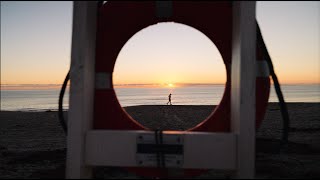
[(87, 147)]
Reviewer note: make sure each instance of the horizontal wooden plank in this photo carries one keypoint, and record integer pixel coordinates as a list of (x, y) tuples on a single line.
[(201, 150)]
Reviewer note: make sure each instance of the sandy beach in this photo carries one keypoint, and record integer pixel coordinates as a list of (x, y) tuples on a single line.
[(32, 144)]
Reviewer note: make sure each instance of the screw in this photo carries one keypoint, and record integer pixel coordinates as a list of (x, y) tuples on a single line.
[(178, 162), (140, 162)]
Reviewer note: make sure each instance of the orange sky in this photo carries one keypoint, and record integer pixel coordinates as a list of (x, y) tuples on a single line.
[(36, 45)]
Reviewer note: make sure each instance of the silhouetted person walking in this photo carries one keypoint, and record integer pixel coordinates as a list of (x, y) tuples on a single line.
[(169, 99)]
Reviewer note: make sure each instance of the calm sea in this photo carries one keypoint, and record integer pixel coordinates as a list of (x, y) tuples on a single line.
[(40, 100)]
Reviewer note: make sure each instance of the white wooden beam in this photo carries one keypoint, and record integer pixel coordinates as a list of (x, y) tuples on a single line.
[(201, 150), (243, 73), (81, 87)]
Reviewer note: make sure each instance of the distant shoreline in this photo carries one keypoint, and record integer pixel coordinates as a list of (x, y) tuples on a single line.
[(13, 87), (64, 109)]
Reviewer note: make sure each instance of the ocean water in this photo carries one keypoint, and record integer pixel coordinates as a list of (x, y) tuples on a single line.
[(32, 100), (47, 99)]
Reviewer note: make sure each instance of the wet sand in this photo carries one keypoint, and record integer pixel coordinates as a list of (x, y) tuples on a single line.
[(32, 144)]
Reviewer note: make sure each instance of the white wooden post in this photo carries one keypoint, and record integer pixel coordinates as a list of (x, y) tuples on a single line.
[(243, 76), (81, 87)]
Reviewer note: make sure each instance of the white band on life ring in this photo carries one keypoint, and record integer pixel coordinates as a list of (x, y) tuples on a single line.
[(163, 9), (102, 80), (262, 69)]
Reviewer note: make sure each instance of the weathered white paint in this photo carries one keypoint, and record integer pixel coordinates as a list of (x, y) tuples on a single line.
[(201, 150), (81, 87), (243, 76)]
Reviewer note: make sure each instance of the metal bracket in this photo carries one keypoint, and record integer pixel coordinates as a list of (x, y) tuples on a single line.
[(172, 147)]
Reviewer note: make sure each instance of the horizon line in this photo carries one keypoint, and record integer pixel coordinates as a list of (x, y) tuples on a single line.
[(120, 84), (13, 87), (148, 84)]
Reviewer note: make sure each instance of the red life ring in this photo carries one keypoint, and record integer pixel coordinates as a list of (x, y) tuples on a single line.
[(119, 21)]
